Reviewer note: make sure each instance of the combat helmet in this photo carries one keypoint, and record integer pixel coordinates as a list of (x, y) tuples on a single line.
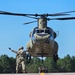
[(21, 48)]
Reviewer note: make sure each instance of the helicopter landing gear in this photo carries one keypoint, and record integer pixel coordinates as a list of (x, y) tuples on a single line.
[(55, 57), (28, 57)]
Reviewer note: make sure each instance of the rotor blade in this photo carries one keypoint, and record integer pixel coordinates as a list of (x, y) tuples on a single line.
[(65, 18), (9, 13), (30, 22), (31, 17), (16, 14), (61, 13), (58, 14)]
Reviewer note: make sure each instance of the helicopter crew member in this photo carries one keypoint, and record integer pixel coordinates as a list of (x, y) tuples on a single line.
[(20, 59)]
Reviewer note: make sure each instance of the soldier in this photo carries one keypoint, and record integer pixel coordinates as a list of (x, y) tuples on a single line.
[(20, 59)]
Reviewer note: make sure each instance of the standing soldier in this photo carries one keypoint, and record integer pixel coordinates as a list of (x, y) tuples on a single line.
[(20, 59)]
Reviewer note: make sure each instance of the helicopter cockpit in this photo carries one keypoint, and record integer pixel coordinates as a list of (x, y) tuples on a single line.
[(42, 34)]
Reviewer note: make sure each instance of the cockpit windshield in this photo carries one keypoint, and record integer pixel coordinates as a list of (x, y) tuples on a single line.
[(47, 31), (39, 31), (42, 31)]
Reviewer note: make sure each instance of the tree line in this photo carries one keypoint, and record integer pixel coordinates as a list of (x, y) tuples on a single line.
[(66, 64)]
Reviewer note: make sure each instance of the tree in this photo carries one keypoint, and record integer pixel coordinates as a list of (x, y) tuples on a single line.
[(7, 64), (32, 67), (13, 65), (73, 63), (65, 64), (51, 64)]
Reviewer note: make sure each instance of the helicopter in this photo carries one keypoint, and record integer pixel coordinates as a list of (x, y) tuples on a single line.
[(42, 43), (42, 38)]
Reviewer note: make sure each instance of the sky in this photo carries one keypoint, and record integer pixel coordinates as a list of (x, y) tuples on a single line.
[(14, 34)]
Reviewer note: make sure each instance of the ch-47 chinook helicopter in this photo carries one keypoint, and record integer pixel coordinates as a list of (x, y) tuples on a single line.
[(42, 38)]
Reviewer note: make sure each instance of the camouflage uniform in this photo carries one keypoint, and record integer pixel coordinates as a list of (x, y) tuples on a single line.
[(20, 60)]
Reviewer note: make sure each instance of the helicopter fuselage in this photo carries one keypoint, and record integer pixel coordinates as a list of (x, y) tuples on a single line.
[(42, 43)]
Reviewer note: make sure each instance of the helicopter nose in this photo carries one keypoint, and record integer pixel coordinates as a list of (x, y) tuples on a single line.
[(41, 36)]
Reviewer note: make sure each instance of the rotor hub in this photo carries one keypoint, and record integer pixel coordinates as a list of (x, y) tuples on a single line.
[(42, 23)]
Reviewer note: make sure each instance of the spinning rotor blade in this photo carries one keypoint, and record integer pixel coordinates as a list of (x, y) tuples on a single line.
[(35, 16), (18, 14), (65, 18), (66, 12), (30, 22), (9, 13), (58, 14), (61, 13)]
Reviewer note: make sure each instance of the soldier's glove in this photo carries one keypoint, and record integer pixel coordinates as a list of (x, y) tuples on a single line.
[(9, 48)]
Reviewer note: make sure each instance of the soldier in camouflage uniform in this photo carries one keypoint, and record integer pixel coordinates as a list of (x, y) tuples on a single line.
[(20, 59)]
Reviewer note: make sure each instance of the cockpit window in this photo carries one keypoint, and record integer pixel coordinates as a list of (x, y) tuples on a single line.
[(42, 31), (47, 31), (39, 31)]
